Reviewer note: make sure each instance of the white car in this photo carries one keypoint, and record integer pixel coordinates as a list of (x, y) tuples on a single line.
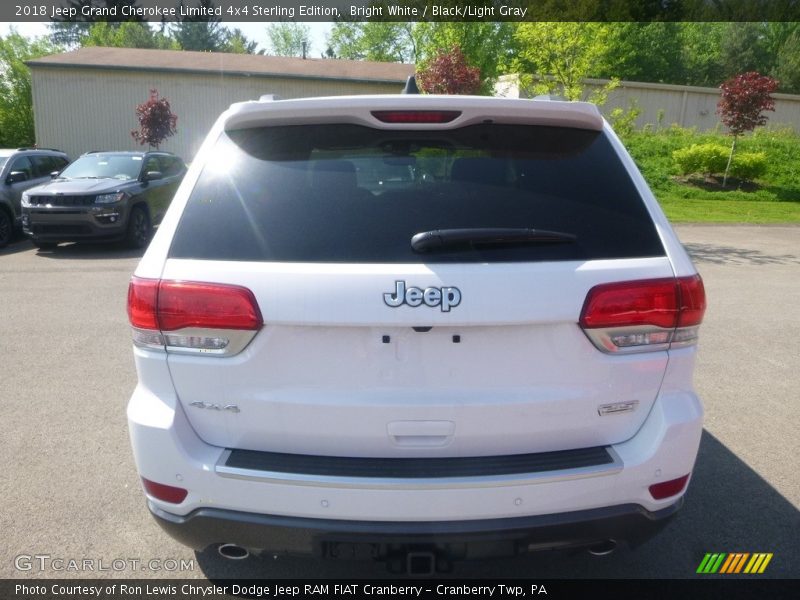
[(492, 354)]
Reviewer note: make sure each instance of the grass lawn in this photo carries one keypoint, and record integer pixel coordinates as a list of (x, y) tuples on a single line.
[(776, 198)]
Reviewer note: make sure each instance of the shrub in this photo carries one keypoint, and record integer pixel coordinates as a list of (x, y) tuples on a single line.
[(747, 166), (710, 159), (623, 121), (701, 158)]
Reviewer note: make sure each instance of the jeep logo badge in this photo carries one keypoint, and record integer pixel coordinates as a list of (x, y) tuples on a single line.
[(446, 297)]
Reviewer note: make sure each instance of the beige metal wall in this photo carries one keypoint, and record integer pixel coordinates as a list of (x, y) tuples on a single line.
[(77, 110), (685, 105)]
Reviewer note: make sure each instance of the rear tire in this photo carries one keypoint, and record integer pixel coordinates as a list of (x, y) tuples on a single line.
[(6, 228), (138, 232)]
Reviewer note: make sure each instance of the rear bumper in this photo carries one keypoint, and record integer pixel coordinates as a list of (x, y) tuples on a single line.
[(379, 539), (298, 509)]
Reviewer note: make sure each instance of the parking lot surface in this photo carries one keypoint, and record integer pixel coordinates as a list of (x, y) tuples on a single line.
[(71, 493)]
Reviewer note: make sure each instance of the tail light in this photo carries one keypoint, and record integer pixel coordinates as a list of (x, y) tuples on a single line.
[(192, 317), (645, 315)]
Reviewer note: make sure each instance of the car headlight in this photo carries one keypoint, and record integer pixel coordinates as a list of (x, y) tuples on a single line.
[(109, 198), (26, 200)]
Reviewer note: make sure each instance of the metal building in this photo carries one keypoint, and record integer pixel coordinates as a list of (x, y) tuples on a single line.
[(85, 99)]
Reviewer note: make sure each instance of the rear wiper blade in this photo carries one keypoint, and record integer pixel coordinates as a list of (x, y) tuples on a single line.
[(437, 239)]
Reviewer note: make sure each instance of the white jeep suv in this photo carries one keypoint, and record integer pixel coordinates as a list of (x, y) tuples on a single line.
[(414, 328)]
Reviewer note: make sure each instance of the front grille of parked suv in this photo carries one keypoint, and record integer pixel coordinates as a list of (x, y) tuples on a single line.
[(62, 200)]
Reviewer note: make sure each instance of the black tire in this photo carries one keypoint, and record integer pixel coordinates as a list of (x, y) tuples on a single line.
[(138, 232), (44, 245), (6, 228)]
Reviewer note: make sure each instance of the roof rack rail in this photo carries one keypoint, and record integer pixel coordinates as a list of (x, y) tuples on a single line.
[(38, 148), (268, 98)]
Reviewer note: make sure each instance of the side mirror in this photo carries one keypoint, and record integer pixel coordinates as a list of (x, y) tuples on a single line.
[(153, 176), (54, 174), (16, 177)]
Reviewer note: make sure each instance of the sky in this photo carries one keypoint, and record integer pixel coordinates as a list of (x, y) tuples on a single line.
[(254, 31)]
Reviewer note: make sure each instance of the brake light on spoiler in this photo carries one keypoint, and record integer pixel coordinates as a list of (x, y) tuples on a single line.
[(645, 315), (416, 116), (192, 317)]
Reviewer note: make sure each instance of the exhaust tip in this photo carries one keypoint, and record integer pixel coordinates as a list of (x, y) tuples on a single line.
[(603, 548), (233, 552)]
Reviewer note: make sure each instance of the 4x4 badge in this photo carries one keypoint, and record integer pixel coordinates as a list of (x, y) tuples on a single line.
[(445, 297)]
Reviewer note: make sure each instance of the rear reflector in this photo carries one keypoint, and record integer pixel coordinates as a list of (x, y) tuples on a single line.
[(416, 116), (665, 489), (167, 493), (650, 314)]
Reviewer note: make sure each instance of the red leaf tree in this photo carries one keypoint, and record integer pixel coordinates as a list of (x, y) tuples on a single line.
[(156, 121), (744, 99), (448, 73)]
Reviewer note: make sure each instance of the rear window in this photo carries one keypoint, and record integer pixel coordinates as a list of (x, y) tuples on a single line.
[(348, 193)]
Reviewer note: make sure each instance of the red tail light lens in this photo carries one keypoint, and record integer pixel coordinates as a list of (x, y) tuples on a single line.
[(184, 304), (173, 305), (665, 489), (167, 493), (693, 301), (416, 116), (142, 296), (645, 315), (647, 302)]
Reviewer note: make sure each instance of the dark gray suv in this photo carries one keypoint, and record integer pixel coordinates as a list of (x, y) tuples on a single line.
[(103, 196), (20, 170)]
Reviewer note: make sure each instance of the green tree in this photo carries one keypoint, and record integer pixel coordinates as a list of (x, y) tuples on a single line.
[(642, 52), (201, 33), (71, 33), (702, 53), (126, 35), (787, 65), (238, 43), (745, 47), (16, 101), (561, 55), (286, 38), (373, 40)]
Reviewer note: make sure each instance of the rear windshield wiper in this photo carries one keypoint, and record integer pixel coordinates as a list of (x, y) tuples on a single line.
[(437, 239)]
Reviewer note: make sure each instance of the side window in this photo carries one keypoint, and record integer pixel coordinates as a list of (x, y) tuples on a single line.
[(43, 165), (171, 166), (23, 164), (59, 163), (152, 164)]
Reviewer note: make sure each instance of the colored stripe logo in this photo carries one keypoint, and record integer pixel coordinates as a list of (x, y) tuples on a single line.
[(736, 562)]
